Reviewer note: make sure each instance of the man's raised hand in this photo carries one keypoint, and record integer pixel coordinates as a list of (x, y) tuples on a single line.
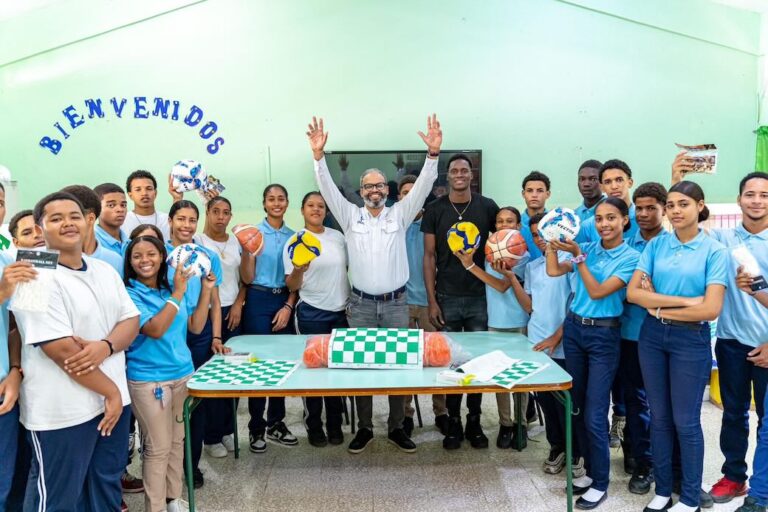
[(317, 137), (434, 136)]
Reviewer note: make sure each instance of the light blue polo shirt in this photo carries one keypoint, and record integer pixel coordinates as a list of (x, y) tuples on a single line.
[(743, 318), (634, 315), (504, 312), (619, 262), (684, 270), (549, 301), (195, 285), (5, 259), (108, 242), (416, 293), (584, 213), (525, 230), (270, 271), (114, 260), (588, 231), (158, 359)]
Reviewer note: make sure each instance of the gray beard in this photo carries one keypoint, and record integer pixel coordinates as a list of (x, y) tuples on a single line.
[(374, 204)]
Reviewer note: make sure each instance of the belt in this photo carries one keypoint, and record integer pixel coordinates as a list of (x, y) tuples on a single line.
[(677, 323), (276, 291), (383, 297), (611, 321)]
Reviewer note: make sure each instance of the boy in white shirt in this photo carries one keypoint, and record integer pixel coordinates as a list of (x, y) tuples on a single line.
[(142, 189), (74, 393)]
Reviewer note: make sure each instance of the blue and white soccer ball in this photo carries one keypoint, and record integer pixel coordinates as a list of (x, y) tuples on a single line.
[(188, 175), (559, 224), (190, 256)]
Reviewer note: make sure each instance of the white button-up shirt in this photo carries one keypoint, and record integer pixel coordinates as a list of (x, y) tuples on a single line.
[(378, 261)]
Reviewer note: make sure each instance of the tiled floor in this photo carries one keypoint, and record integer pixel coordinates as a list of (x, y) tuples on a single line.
[(383, 479)]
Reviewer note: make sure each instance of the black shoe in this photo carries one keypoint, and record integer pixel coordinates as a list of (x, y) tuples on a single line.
[(335, 436), (256, 442), (474, 432), (504, 439), (578, 491), (441, 422), (399, 438), (705, 500), (583, 504), (630, 465), (666, 507), (455, 434), (641, 480), (317, 438), (279, 433), (197, 478), (361, 441), (522, 439), (750, 505), (530, 412), (408, 426)]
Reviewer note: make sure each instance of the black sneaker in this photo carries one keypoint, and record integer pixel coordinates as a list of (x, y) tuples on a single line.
[(441, 422), (555, 461), (666, 507), (279, 433), (399, 438), (504, 439), (750, 505), (256, 442), (705, 500), (454, 435), (474, 432), (408, 426), (317, 438), (197, 478), (522, 439), (361, 441), (335, 436), (641, 480)]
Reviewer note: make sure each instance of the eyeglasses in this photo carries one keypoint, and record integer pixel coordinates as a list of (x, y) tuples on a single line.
[(374, 186)]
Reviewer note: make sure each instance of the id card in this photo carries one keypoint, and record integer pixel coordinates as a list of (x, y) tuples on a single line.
[(758, 283)]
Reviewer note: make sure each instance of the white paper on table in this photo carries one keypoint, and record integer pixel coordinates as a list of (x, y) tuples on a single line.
[(486, 366)]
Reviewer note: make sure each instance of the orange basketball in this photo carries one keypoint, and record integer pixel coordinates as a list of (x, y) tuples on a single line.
[(250, 238), (507, 245)]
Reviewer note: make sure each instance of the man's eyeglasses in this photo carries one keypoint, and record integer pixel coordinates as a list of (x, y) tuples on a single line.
[(374, 186)]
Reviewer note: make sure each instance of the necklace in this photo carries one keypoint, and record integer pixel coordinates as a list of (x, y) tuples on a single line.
[(461, 213), (221, 250)]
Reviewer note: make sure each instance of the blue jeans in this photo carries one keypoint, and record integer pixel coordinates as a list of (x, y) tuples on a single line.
[(464, 314), (636, 400), (258, 312), (371, 313), (311, 320), (737, 376), (9, 437), (676, 363), (592, 358), (78, 469), (758, 483)]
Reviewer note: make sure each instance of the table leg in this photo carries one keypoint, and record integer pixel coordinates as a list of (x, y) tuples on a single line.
[(518, 422), (234, 424), (568, 449), (189, 405)]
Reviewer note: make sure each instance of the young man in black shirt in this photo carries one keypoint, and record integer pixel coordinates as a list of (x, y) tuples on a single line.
[(456, 297)]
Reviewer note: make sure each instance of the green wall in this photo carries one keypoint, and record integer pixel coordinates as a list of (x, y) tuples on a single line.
[(535, 84)]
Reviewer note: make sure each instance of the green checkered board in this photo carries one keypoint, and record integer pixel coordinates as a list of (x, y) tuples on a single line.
[(266, 372), (516, 373), (401, 349)]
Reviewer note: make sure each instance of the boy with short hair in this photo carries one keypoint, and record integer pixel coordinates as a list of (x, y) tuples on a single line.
[(25, 234), (142, 189), (114, 208), (536, 191)]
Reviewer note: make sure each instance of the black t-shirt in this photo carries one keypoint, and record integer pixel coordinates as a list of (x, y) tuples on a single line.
[(439, 216)]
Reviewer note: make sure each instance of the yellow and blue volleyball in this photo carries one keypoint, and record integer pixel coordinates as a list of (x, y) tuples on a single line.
[(463, 236), (303, 247)]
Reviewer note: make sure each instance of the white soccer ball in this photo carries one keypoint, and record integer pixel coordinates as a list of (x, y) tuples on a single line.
[(188, 175), (190, 256), (559, 224)]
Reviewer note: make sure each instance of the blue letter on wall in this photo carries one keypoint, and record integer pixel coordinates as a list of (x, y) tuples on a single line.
[(94, 108), (140, 102), (53, 145), (194, 116), (73, 117)]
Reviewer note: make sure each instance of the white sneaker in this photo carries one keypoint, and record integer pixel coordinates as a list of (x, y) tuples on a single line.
[(229, 442), (216, 451), (177, 505)]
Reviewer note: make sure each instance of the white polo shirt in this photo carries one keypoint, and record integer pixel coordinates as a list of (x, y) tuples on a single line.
[(378, 261), (86, 303)]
